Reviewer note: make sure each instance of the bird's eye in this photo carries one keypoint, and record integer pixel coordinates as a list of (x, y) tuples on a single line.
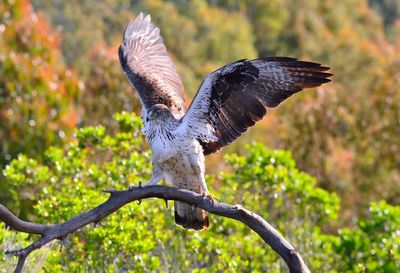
[(159, 112)]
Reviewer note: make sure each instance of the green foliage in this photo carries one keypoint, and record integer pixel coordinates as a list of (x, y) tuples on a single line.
[(84, 24), (37, 93), (10, 239), (90, 30), (345, 134), (106, 89), (144, 238), (390, 13), (375, 245), (263, 176)]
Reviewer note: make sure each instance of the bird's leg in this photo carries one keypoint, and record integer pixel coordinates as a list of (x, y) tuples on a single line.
[(202, 180), (198, 164), (151, 182), (154, 180), (156, 177), (206, 193)]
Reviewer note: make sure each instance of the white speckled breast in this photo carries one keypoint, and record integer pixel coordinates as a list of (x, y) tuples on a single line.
[(180, 160)]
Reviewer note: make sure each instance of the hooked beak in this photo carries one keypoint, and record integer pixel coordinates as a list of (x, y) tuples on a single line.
[(150, 115)]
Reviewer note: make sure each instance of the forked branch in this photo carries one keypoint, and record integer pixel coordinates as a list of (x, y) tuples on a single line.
[(120, 198)]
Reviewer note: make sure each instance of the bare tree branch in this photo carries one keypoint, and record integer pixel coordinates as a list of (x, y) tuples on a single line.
[(120, 198), (18, 225)]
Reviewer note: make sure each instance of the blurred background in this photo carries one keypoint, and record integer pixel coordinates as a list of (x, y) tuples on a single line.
[(59, 71)]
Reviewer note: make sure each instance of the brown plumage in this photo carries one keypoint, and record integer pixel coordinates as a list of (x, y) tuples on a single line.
[(228, 102), (189, 216), (241, 95), (149, 69), (192, 218)]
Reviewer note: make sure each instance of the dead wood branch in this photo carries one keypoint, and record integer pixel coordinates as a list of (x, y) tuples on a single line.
[(120, 198)]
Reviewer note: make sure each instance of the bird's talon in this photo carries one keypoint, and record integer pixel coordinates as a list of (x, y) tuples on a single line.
[(209, 196), (133, 187), (139, 201)]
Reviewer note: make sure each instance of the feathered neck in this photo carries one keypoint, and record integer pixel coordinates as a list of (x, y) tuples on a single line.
[(151, 129)]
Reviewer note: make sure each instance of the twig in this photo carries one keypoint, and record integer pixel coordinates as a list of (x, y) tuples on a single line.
[(120, 198)]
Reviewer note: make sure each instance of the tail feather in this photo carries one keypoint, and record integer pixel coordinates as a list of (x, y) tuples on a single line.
[(189, 217)]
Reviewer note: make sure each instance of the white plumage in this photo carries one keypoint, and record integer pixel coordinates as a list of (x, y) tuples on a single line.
[(228, 102)]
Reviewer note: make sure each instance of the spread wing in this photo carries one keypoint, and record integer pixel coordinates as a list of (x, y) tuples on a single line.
[(236, 96), (149, 69)]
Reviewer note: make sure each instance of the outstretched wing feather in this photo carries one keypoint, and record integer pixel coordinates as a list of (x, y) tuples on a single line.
[(148, 67), (236, 96)]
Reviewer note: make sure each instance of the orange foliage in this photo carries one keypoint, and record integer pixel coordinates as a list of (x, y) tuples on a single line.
[(36, 93)]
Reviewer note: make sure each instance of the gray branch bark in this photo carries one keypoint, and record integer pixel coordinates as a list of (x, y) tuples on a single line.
[(120, 198)]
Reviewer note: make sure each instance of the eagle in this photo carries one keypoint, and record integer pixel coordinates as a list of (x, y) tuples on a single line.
[(229, 101)]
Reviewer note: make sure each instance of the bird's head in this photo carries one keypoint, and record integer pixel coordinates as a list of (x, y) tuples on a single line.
[(159, 113)]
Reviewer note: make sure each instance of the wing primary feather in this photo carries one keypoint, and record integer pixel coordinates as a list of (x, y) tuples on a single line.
[(237, 95), (149, 69)]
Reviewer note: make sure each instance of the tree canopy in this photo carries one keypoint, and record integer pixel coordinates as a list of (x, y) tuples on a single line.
[(67, 132)]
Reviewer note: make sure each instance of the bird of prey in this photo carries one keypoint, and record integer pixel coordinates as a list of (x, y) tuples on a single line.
[(229, 101)]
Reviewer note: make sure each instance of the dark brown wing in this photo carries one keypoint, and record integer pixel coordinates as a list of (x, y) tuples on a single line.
[(236, 96), (149, 69)]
